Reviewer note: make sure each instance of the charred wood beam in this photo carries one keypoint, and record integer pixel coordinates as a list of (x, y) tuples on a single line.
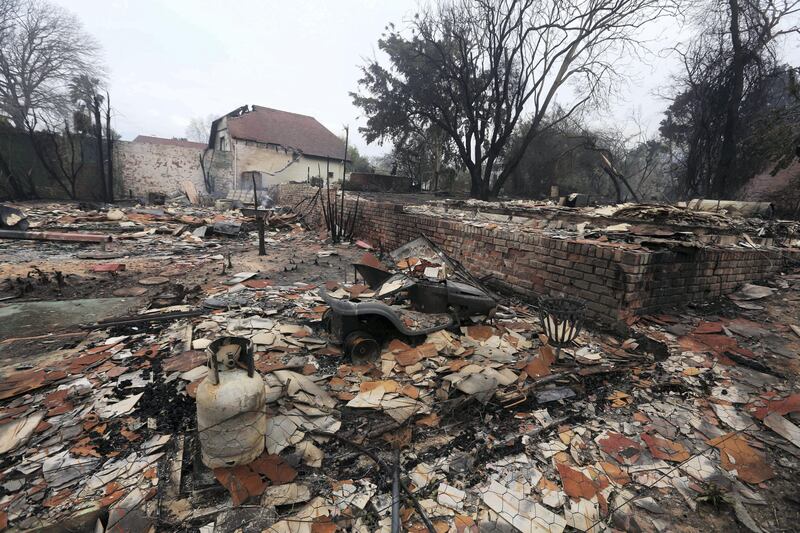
[(54, 236), (144, 319)]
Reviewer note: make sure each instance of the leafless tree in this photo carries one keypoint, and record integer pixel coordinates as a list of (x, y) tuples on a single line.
[(199, 128), (754, 27), (110, 140), (729, 84), (636, 163), (205, 167), (62, 153), (85, 92), (7, 8), (42, 48), (473, 68)]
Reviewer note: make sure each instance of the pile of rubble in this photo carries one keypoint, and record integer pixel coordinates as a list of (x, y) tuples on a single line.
[(474, 423), (645, 224)]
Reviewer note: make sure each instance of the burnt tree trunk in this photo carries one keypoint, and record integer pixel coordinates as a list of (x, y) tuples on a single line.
[(437, 163), (98, 133), (17, 189), (727, 156), (109, 149), (476, 182), (46, 162)]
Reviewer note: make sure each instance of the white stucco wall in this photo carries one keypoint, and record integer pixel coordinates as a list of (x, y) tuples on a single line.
[(277, 165)]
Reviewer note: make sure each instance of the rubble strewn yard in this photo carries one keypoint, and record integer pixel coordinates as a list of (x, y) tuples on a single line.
[(689, 419)]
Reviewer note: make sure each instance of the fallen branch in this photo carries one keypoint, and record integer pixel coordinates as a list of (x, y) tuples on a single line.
[(750, 363), (144, 319), (519, 395), (53, 236)]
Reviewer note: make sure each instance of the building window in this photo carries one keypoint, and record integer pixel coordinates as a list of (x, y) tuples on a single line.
[(246, 180), (223, 144), (330, 175)]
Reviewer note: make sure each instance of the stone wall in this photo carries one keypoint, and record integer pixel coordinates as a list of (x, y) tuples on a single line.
[(617, 280), (143, 168), (158, 168)]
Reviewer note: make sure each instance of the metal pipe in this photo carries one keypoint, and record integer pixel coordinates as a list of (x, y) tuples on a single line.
[(53, 236), (396, 493)]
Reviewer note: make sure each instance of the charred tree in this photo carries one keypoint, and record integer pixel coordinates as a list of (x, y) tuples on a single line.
[(109, 149), (98, 135), (727, 153)]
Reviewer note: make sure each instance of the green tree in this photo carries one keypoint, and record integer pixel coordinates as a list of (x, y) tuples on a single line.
[(473, 68), (358, 163)]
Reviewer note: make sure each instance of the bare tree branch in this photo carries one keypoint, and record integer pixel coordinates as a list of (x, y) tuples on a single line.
[(42, 48)]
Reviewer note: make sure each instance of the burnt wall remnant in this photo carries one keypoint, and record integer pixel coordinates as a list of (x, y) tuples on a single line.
[(618, 280)]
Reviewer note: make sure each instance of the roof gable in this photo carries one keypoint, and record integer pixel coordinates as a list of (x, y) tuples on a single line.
[(292, 130)]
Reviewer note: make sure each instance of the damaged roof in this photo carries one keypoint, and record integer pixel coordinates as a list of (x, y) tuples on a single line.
[(272, 126)]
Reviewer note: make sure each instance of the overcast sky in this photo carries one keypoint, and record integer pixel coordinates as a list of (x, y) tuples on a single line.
[(171, 60)]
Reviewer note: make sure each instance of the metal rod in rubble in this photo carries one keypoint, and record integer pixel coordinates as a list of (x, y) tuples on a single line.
[(396, 493), (340, 229), (331, 213), (262, 250)]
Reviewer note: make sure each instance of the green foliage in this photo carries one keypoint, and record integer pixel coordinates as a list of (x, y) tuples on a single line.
[(358, 163), (472, 68), (715, 496)]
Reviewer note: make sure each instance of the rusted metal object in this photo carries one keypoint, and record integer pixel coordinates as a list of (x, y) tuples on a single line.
[(362, 347), (54, 236), (231, 406)]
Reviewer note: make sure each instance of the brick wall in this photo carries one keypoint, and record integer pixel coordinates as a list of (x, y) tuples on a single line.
[(617, 280), (674, 277)]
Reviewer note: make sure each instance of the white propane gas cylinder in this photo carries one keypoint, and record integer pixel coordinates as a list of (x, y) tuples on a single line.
[(231, 407)]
